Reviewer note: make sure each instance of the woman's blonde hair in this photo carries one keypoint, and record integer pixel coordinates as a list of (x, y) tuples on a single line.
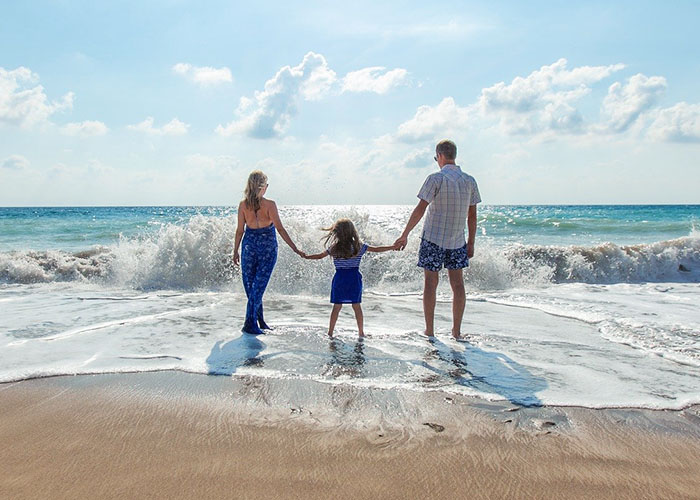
[(342, 239), (256, 181)]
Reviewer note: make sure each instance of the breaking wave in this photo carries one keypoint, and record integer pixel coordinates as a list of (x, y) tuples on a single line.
[(197, 255)]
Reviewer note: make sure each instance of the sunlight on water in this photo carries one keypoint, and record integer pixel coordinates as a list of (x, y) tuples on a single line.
[(606, 317)]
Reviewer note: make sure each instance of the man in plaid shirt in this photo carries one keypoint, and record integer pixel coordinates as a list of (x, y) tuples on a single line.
[(450, 197)]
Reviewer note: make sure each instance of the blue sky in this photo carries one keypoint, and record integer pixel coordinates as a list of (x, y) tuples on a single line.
[(175, 102)]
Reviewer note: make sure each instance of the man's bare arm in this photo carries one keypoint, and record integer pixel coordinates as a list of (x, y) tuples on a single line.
[(471, 226), (415, 218)]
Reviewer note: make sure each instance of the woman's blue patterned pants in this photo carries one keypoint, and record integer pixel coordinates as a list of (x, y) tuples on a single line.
[(258, 258)]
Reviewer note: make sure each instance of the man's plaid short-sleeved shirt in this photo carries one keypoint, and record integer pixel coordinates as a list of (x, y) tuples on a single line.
[(449, 193)]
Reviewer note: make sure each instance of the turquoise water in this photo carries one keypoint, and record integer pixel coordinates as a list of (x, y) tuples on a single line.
[(81, 228), (594, 224), (566, 305), (190, 247)]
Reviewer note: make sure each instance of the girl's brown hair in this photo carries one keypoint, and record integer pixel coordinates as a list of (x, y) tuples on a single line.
[(256, 181), (342, 239)]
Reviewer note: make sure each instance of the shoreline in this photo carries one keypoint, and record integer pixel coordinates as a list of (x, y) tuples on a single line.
[(476, 400), (181, 435)]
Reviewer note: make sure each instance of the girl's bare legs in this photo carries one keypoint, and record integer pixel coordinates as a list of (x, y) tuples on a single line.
[(360, 319), (334, 318)]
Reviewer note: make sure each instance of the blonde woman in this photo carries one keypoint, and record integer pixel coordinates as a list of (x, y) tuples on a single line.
[(257, 219)]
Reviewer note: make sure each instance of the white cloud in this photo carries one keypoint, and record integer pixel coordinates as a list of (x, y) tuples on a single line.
[(212, 166), (15, 162), (625, 103), (432, 121), (173, 127), (430, 29), (374, 79), (25, 105), (268, 114), (317, 78), (96, 168), (544, 100), (204, 75), (679, 123), (539, 87), (92, 170), (418, 158), (85, 129), (512, 156), (544, 104)]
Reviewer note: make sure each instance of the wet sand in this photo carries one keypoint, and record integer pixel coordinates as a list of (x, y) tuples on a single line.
[(176, 435)]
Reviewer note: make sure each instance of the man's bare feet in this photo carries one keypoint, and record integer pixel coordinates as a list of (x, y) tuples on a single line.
[(428, 334), (457, 335)]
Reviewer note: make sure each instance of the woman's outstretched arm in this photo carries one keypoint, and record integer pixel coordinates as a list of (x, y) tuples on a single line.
[(239, 234), (275, 216)]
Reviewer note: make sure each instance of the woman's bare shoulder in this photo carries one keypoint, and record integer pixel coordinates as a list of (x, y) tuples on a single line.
[(268, 204), (243, 207)]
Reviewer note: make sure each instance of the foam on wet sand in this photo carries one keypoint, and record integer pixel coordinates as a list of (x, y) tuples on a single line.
[(176, 435)]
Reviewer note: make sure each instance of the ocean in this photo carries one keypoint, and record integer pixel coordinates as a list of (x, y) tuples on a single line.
[(593, 306)]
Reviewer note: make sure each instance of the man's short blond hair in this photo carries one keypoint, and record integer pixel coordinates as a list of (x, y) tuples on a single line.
[(447, 148)]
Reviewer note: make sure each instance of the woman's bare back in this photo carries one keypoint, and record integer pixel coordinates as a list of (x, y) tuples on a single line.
[(261, 218)]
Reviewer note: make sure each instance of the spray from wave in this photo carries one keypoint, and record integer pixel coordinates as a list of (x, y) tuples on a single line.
[(197, 255)]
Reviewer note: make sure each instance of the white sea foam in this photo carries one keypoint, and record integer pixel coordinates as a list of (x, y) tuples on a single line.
[(528, 355), (197, 255), (599, 325), (662, 320)]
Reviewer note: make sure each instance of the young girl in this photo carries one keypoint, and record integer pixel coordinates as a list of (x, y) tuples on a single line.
[(343, 244)]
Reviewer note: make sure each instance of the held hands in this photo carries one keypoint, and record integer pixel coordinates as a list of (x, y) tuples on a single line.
[(400, 243)]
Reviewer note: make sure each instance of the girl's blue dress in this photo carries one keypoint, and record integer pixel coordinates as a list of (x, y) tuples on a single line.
[(347, 282)]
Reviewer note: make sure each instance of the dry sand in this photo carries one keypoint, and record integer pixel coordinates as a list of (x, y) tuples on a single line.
[(174, 435)]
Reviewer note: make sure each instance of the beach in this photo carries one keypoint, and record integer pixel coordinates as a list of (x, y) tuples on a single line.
[(176, 435), (124, 374), (349, 250)]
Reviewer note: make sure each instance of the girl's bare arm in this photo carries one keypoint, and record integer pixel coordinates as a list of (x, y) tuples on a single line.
[(316, 256), (381, 249)]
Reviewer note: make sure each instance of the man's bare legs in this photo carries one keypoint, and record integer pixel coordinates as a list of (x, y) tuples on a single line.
[(429, 294), (458, 300), (334, 318), (359, 318), (357, 308)]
